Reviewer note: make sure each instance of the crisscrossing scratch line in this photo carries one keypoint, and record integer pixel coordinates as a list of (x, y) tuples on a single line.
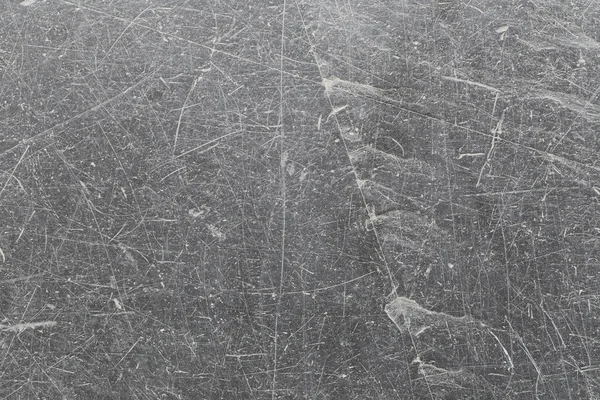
[(282, 172), (393, 282)]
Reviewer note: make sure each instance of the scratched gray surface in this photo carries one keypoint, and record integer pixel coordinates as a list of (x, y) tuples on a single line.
[(299, 200)]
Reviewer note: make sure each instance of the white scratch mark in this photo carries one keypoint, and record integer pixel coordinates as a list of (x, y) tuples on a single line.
[(472, 83), (187, 98), (335, 111), (12, 173), (471, 155), (117, 303), (126, 354), (496, 132), (284, 156), (354, 88), (27, 325), (118, 38), (207, 143)]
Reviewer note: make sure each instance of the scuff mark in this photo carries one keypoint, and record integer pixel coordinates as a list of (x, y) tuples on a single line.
[(453, 383), (584, 108), (472, 83), (27, 325), (354, 88), (411, 318), (335, 111)]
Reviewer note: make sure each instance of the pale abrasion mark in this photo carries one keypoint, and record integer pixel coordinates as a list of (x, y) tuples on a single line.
[(27, 325)]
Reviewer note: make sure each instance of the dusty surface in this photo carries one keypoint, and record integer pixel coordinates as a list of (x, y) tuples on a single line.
[(299, 200)]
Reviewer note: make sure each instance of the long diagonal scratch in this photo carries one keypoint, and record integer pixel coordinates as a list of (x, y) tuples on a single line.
[(82, 114), (283, 201)]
